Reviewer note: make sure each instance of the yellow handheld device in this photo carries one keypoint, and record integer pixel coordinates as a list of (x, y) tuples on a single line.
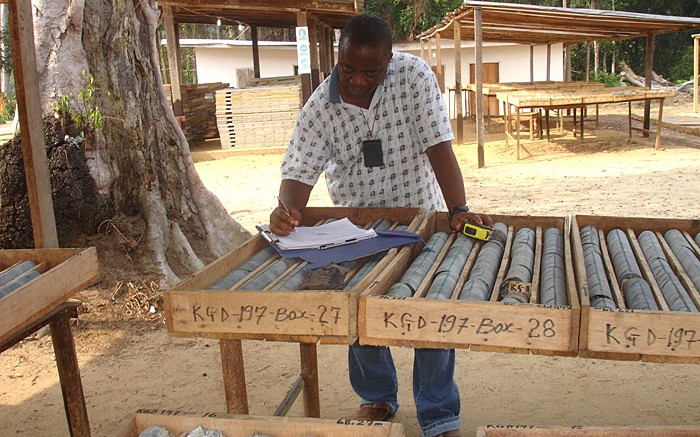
[(482, 232)]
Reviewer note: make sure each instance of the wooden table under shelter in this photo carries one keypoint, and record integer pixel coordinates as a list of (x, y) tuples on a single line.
[(489, 90), (531, 99)]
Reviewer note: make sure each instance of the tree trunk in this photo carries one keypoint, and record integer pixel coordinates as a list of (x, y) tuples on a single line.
[(140, 162)]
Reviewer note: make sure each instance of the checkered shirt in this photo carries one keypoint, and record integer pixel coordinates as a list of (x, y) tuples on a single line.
[(407, 113)]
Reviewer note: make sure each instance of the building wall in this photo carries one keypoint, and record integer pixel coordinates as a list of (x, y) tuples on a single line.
[(513, 60), (219, 64)]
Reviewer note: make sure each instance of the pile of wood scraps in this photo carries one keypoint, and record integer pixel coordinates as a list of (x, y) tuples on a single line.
[(198, 110)]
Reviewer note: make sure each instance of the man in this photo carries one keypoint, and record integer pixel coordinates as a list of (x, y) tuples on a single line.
[(379, 129)]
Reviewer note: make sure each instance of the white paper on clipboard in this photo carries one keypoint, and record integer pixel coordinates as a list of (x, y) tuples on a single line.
[(335, 233)]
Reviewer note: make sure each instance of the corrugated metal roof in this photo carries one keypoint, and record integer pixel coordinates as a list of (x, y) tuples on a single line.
[(528, 24)]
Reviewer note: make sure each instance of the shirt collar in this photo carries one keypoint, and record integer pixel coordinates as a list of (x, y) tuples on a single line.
[(333, 90)]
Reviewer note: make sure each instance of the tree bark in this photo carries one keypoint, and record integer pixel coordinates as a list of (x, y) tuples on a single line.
[(140, 161)]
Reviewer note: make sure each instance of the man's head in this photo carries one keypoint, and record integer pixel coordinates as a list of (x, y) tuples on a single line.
[(364, 52)]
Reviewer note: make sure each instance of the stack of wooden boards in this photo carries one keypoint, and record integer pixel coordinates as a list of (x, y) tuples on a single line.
[(263, 115), (199, 110)]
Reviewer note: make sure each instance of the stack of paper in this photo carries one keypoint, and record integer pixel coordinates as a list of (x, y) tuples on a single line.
[(335, 233)]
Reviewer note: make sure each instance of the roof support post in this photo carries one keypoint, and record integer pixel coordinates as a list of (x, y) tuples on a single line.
[(256, 51), (323, 51), (648, 69), (36, 170), (172, 36), (430, 53), (479, 81), (696, 72), (438, 67), (306, 87), (532, 62), (458, 80), (313, 45), (549, 62)]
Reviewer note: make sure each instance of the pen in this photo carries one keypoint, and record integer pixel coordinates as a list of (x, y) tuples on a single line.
[(284, 205)]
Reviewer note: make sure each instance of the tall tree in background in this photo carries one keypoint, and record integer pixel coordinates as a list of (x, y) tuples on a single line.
[(139, 165), (408, 18)]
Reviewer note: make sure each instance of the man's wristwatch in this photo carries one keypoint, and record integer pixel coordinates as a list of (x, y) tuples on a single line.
[(459, 208)]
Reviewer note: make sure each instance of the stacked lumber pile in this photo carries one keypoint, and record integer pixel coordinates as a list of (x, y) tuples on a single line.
[(199, 109), (261, 116)]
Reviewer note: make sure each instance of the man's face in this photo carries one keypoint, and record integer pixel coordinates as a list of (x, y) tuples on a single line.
[(361, 70)]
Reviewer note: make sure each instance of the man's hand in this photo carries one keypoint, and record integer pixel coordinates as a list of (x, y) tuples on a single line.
[(283, 221), (478, 219), (292, 200)]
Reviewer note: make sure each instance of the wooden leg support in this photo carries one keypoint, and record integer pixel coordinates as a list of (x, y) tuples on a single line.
[(309, 372), (657, 145), (234, 376), (69, 375)]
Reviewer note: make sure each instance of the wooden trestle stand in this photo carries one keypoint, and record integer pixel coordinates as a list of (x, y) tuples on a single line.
[(66, 362)]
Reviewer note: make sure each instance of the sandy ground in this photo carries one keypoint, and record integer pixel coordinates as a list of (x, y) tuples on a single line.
[(133, 363)]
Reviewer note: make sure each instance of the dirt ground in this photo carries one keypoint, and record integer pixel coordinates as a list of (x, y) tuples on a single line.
[(128, 361)]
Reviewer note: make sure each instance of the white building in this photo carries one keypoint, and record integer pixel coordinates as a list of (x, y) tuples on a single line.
[(218, 60)]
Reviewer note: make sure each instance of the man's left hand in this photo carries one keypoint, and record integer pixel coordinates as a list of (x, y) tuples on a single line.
[(478, 219)]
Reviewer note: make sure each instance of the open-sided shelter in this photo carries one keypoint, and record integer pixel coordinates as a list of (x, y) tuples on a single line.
[(539, 25), (321, 17)]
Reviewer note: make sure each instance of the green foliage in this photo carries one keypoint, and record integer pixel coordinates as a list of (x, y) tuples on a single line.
[(6, 52), (9, 111), (408, 18), (82, 108), (682, 70), (608, 79)]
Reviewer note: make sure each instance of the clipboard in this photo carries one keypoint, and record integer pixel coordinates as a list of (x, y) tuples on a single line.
[(325, 236)]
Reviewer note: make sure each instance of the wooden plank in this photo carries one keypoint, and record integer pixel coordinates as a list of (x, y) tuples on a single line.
[(182, 422), (459, 324), (233, 370), (36, 169), (69, 375), (24, 306), (586, 431), (172, 36)]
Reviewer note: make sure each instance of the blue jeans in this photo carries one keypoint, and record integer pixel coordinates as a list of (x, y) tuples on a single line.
[(373, 377)]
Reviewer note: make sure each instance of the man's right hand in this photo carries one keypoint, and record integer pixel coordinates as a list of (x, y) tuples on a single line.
[(282, 222)]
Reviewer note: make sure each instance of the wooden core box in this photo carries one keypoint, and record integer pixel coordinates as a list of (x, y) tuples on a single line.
[(477, 325), (586, 431), (626, 334), (243, 426), (64, 272), (305, 316)]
